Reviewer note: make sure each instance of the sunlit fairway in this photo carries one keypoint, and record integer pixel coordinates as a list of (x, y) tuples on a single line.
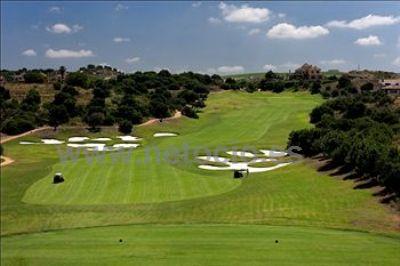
[(172, 213), (154, 175)]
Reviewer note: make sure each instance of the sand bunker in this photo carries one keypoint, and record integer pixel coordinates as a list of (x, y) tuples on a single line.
[(214, 159), (129, 138), (238, 165), (241, 154), (77, 139), (126, 145), (89, 146), (102, 146), (52, 141), (242, 166), (164, 134), (271, 153), (27, 142), (101, 139)]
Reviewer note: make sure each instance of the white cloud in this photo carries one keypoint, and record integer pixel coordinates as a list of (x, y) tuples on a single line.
[(269, 67), (365, 22), (245, 13), (254, 31), (281, 15), (289, 31), (333, 62), (230, 69), (63, 53), (60, 28), (396, 62), (120, 7), (380, 55), (29, 52), (213, 20), (158, 69), (55, 9), (132, 60), (371, 40), (196, 4), (76, 28), (121, 39), (289, 66)]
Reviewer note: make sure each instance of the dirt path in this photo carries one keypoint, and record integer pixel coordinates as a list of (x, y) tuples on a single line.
[(5, 139), (155, 120), (5, 161)]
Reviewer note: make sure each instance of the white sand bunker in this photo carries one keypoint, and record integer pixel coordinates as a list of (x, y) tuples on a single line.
[(102, 146), (27, 142), (241, 154), (126, 145), (129, 138), (271, 153), (101, 139), (77, 139), (164, 134), (238, 165), (89, 146), (52, 141)]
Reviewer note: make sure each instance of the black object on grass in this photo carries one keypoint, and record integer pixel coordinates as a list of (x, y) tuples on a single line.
[(58, 178), (276, 241), (120, 241)]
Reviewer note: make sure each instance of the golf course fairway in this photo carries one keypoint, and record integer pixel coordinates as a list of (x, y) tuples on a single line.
[(161, 212)]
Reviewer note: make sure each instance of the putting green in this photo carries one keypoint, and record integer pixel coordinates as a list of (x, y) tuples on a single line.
[(262, 120), (201, 245)]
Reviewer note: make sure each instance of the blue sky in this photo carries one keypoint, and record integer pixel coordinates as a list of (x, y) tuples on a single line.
[(209, 37)]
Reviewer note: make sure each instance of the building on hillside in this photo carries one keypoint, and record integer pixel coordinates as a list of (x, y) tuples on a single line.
[(308, 72), (390, 86), (19, 77), (55, 76)]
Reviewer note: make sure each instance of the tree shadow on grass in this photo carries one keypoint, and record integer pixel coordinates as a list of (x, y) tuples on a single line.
[(346, 172)]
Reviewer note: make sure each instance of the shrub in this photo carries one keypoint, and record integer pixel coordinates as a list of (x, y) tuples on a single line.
[(125, 127), (18, 125), (34, 77), (189, 112)]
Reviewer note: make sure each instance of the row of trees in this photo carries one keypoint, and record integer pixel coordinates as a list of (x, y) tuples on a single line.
[(357, 131), (126, 100)]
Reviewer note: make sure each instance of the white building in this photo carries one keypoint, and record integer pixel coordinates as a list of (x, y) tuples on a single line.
[(390, 86)]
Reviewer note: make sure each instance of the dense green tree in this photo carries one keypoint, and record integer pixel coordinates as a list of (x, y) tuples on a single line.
[(32, 101), (78, 79), (94, 120), (34, 77), (58, 115), (125, 127), (189, 112)]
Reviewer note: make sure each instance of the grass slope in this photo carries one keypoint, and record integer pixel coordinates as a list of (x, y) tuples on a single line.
[(296, 197), (201, 245), (110, 179)]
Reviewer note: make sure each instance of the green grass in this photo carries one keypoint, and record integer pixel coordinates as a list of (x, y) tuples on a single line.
[(201, 245), (39, 220), (112, 180)]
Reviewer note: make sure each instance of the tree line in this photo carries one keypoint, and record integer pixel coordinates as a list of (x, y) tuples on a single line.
[(125, 100), (358, 131)]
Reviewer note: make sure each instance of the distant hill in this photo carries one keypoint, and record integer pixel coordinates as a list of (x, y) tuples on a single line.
[(260, 75)]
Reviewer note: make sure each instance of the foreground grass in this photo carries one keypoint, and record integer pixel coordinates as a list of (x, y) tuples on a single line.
[(201, 245)]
